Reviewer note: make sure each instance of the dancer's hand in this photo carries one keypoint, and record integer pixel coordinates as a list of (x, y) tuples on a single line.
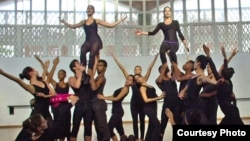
[(163, 94), (100, 96), (223, 52), (73, 99), (206, 49), (61, 20), (234, 52), (1, 71), (138, 32), (56, 60), (39, 94)]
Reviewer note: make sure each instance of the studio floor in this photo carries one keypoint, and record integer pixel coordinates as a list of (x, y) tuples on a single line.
[(9, 133)]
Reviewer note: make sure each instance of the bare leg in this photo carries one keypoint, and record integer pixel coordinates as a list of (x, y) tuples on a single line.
[(72, 138), (87, 138)]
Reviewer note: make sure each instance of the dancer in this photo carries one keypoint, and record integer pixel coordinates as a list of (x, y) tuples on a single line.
[(183, 77), (93, 42), (192, 90), (61, 113), (172, 101), (99, 106), (224, 91), (150, 98), (170, 43), (41, 91), (38, 127), (83, 108), (115, 120), (60, 101), (136, 102)]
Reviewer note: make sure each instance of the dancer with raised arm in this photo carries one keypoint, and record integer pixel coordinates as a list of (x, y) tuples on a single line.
[(41, 91), (115, 120), (149, 96), (93, 42), (83, 109), (136, 104), (99, 106), (224, 91), (168, 85), (170, 28)]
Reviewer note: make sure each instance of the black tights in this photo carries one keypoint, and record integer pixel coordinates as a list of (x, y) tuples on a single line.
[(165, 47), (136, 110), (93, 49)]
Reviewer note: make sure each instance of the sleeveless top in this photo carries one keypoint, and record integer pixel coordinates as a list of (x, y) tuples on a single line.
[(98, 91), (41, 104), (193, 91), (91, 31), (84, 93), (136, 95), (151, 93), (117, 105), (62, 90), (170, 87)]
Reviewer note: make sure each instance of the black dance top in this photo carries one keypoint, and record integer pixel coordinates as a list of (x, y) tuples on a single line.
[(117, 105), (192, 97), (91, 31), (62, 90), (41, 103), (151, 93), (169, 31), (170, 88)]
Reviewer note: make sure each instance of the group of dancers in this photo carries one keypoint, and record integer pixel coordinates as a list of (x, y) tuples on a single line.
[(194, 102)]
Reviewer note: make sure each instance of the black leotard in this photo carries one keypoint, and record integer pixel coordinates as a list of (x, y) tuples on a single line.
[(92, 44), (169, 31), (170, 41)]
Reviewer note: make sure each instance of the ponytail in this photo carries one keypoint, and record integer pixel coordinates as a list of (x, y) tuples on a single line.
[(25, 74)]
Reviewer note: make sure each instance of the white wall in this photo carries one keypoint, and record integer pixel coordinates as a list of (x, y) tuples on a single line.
[(12, 94)]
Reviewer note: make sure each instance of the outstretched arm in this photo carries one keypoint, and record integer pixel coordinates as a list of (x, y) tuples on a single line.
[(146, 76), (27, 87), (122, 94), (73, 26), (147, 99), (110, 25), (234, 52), (122, 68), (44, 65), (138, 32), (52, 71), (206, 49)]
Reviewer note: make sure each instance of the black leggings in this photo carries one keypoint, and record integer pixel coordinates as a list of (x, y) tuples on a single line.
[(62, 118), (115, 121), (153, 131), (137, 109), (100, 120), (93, 48), (172, 47), (82, 111)]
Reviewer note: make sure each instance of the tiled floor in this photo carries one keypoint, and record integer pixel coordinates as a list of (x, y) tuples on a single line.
[(9, 134)]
